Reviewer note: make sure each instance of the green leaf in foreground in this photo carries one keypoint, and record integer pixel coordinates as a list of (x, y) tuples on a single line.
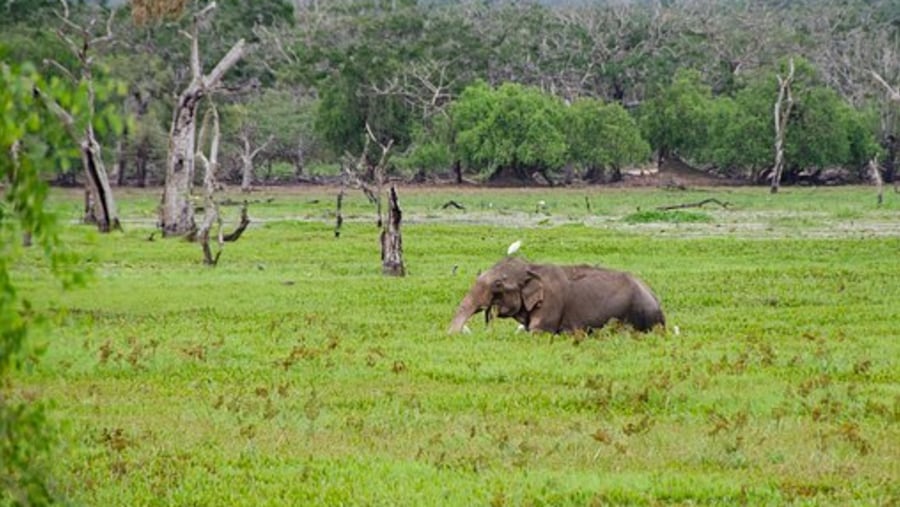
[(29, 136)]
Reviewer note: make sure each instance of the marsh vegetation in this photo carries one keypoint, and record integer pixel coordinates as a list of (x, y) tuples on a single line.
[(294, 372)]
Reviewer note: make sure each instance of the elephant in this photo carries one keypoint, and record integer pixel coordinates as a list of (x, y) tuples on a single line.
[(558, 299)]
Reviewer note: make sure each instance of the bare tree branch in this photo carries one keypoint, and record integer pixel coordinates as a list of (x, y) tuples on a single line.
[(61, 114), (65, 6), (893, 93), (698, 204), (108, 36), (234, 54), (68, 40), (60, 67), (203, 12)]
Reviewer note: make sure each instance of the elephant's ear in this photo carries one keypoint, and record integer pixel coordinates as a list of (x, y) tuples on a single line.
[(532, 291)]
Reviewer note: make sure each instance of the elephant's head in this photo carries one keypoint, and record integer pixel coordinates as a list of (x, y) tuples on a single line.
[(512, 287)]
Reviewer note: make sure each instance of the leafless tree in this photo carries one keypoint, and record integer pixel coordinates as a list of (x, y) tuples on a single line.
[(783, 106), (247, 154), (100, 206), (210, 184), (391, 239), (426, 86), (176, 211), (856, 51), (390, 236), (210, 166)]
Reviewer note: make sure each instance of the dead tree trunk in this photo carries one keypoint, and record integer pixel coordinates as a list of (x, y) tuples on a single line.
[(389, 237), (100, 207), (783, 106), (876, 177), (339, 217), (247, 155), (88, 216), (242, 226), (176, 211), (210, 207), (350, 171), (379, 171), (104, 206), (391, 240)]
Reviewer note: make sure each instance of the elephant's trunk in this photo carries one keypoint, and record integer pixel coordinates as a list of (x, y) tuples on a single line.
[(477, 299)]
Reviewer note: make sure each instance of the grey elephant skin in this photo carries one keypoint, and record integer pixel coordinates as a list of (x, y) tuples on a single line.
[(557, 299)]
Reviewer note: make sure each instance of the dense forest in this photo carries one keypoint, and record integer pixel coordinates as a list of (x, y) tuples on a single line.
[(480, 90)]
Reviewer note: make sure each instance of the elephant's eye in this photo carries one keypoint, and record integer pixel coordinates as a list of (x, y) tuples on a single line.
[(497, 286)]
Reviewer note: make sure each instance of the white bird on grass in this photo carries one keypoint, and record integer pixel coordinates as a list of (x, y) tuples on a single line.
[(514, 247)]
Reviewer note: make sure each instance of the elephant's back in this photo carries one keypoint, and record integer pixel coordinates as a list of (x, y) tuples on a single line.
[(599, 295)]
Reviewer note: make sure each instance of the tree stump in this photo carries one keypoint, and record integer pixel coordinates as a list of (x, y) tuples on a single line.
[(339, 217), (391, 240)]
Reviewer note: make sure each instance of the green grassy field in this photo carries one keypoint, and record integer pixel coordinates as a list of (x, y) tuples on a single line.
[(295, 374)]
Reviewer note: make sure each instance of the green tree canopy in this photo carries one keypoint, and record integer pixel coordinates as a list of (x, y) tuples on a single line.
[(389, 65), (603, 136), (743, 132), (432, 148), (512, 127), (822, 130), (825, 131), (676, 119), (341, 116)]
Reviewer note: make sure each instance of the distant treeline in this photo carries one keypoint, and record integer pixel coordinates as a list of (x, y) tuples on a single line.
[(485, 89)]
